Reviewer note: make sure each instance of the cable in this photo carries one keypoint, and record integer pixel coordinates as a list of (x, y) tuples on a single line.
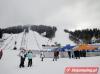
[(22, 39)]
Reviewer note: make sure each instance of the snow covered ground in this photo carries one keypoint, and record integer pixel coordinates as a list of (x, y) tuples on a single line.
[(9, 64)]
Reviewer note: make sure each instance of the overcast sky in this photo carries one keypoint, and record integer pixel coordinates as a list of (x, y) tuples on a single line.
[(70, 14)]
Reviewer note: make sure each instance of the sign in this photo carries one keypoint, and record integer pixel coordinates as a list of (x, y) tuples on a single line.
[(81, 70)]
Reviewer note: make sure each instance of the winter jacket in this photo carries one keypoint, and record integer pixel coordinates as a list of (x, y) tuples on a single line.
[(1, 53), (30, 55), (22, 54)]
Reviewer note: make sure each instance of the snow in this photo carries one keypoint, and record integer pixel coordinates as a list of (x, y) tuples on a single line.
[(34, 41), (9, 64), (9, 43)]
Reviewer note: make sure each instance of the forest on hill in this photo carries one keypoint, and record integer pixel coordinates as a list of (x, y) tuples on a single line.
[(85, 35), (50, 30)]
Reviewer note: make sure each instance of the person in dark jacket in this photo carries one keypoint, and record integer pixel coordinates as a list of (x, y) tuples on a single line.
[(22, 55), (84, 53), (69, 54), (56, 55), (1, 53), (77, 54)]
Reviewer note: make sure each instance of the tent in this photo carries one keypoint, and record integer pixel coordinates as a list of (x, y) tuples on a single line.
[(66, 48), (85, 47)]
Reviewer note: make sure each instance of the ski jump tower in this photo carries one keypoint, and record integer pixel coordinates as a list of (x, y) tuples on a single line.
[(24, 40)]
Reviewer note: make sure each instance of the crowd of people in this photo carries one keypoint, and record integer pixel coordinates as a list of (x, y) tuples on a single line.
[(29, 55), (77, 54)]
